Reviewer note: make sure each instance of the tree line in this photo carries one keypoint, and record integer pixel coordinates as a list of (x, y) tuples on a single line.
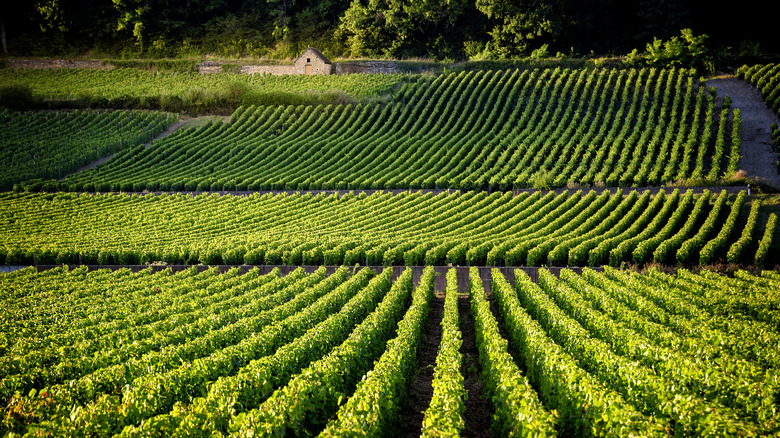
[(438, 29)]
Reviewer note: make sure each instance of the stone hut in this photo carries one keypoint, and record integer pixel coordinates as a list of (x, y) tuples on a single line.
[(312, 62)]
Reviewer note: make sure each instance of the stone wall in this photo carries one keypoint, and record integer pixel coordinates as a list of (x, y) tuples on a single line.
[(56, 63), (366, 67), (318, 68), (211, 67), (268, 69)]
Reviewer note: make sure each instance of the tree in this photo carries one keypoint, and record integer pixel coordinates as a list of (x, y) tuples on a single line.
[(687, 50), (132, 16), (662, 18), (398, 28), (521, 25), (54, 15), (280, 13), (2, 36)]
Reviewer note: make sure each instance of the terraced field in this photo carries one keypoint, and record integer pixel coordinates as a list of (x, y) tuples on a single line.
[(354, 334), (126, 87), (474, 228), (45, 145), (496, 130)]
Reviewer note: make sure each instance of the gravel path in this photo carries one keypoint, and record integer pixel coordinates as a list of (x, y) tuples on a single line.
[(757, 158)]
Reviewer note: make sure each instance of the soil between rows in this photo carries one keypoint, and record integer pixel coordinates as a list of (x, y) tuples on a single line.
[(477, 413), (421, 386)]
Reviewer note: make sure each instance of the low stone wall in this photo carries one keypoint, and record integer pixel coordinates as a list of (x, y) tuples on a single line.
[(268, 69), (212, 67), (56, 63), (377, 67), (209, 67)]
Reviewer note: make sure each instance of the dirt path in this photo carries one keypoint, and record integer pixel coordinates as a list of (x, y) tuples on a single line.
[(183, 121), (167, 132), (477, 416), (421, 387), (91, 165), (757, 158)]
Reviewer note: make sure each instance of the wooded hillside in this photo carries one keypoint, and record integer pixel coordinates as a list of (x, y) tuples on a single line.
[(438, 29)]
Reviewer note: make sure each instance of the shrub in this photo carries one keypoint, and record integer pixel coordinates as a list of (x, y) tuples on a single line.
[(172, 256), (273, 256), (46, 257), (149, 256), (313, 256), (541, 53), (15, 256), (127, 258), (67, 257), (542, 180), (686, 50)]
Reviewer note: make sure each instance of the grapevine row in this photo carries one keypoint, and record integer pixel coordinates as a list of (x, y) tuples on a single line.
[(597, 354), (382, 229), (469, 130)]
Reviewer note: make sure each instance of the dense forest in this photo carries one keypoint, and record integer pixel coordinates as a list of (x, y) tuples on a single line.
[(437, 29)]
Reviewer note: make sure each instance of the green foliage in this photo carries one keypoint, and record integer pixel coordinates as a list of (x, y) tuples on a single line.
[(686, 50), (517, 410), (737, 249), (197, 352), (713, 249), (766, 77), (541, 53), (471, 229), (444, 416), (173, 85), (580, 398), (686, 254), (167, 65), (398, 29), (272, 98), (391, 376), (50, 145), (520, 26), (460, 130), (764, 245)]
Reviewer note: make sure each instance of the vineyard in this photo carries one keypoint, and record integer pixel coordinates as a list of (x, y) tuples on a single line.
[(487, 130), (383, 255), (473, 228), (766, 78), (602, 353), (38, 146), (132, 88)]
